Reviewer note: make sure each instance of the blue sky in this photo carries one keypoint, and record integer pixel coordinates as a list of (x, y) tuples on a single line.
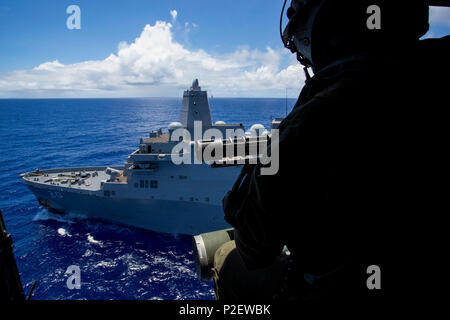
[(239, 41), (32, 32)]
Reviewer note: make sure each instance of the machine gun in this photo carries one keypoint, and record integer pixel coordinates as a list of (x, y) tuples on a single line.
[(221, 153), (232, 151)]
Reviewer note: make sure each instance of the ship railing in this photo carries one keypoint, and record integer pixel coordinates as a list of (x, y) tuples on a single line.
[(74, 169)]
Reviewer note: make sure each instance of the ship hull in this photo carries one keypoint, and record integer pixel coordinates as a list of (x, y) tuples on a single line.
[(168, 216)]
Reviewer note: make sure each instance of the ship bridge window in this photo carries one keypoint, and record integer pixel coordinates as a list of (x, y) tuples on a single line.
[(182, 177), (106, 193), (136, 185), (153, 184), (141, 183), (149, 149), (146, 184)]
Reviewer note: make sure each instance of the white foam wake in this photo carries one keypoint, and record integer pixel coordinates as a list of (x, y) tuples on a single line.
[(63, 232), (93, 241)]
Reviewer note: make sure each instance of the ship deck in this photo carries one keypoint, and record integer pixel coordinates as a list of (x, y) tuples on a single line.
[(163, 138), (81, 178)]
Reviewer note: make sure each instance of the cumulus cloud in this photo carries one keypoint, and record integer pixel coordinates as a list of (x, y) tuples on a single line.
[(440, 16), (156, 65)]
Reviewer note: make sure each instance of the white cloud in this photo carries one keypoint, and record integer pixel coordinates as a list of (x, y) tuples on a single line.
[(440, 16), (156, 65), (174, 14)]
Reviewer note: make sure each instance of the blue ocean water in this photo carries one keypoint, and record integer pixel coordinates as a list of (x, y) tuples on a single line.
[(116, 262)]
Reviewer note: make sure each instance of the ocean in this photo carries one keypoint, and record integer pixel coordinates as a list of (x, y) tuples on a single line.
[(116, 261)]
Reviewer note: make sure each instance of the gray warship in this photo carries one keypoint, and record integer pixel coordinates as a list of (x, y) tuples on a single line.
[(149, 191)]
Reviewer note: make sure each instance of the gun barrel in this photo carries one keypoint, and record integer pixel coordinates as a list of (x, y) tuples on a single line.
[(231, 151)]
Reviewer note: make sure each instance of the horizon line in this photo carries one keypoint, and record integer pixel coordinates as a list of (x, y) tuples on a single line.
[(180, 98)]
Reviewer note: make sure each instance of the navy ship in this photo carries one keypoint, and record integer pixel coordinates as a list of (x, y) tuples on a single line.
[(149, 191)]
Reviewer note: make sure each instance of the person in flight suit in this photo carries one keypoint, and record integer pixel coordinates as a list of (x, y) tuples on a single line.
[(355, 159)]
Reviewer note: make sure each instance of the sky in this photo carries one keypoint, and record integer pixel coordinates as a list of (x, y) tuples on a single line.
[(150, 48)]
